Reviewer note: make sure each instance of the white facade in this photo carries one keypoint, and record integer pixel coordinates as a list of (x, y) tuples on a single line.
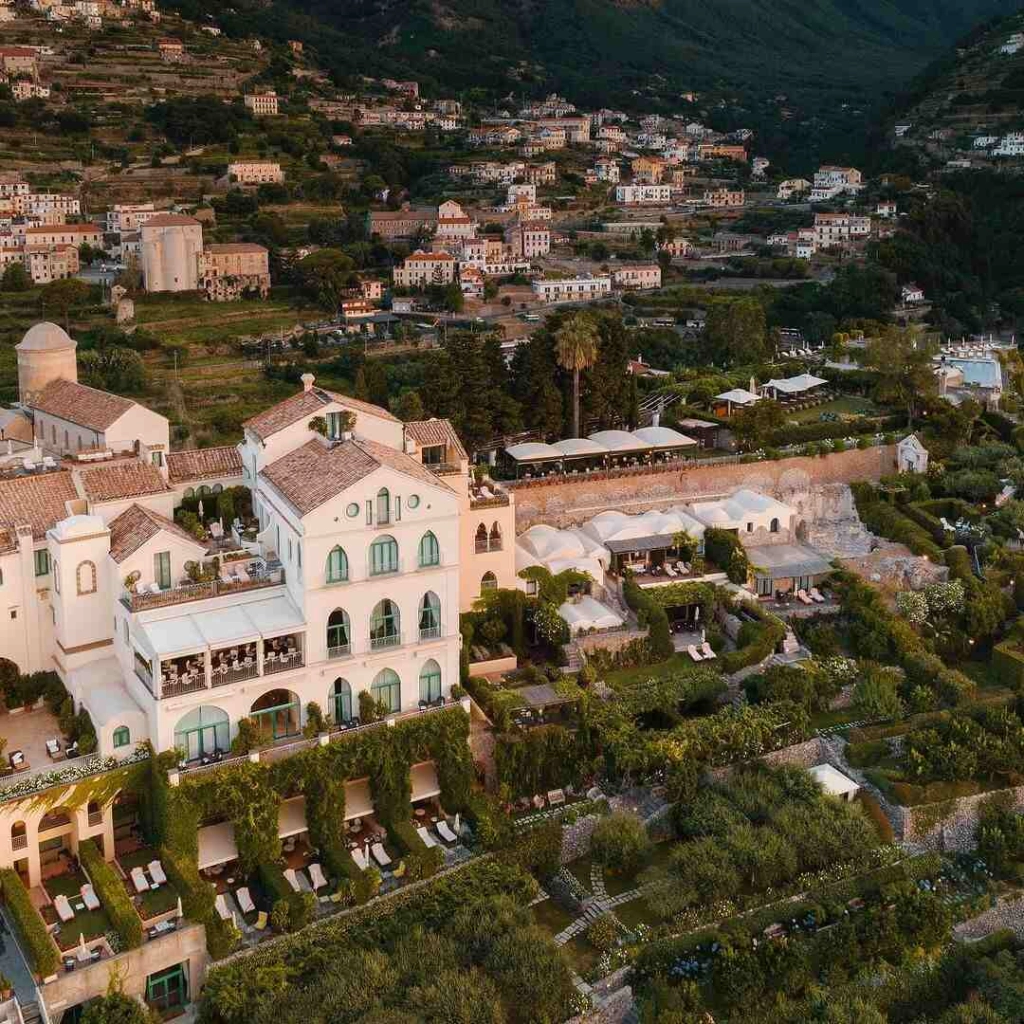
[(573, 289), (635, 194)]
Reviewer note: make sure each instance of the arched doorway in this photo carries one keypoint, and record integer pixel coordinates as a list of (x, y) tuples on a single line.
[(387, 689), (277, 715), (430, 682), (341, 701), (204, 732)]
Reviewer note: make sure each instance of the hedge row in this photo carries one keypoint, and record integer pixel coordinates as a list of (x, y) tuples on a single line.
[(927, 521), (420, 861), (825, 431), (874, 811), (33, 937), (887, 521), (112, 894), (1008, 664), (659, 635), (197, 902), (756, 640), (277, 889)]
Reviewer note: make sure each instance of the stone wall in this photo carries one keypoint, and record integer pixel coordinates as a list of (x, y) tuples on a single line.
[(799, 755), (576, 837), (610, 641), (950, 824), (568, 501)]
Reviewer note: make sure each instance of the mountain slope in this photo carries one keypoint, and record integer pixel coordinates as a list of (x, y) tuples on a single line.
[(604, 50)]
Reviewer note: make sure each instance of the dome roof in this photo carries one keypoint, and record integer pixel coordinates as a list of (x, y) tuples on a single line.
[(45, 337)]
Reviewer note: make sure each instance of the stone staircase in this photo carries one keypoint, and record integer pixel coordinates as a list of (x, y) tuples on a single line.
[(30, 1013)]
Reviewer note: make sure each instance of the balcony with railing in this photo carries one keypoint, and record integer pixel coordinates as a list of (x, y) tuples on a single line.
[(385, 639), (339, 651), (234, 578), (234, 664), (185, 674), (430, 633), (283, 653)]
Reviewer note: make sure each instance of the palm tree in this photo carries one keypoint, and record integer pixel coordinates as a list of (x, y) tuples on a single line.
[(576, 350)]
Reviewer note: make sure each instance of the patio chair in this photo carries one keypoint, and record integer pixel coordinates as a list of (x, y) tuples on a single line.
[(445, 832), (694, 654), (801, 596), (670, 570), (817, 596), (63, 907), (380, 855), (360, 858), (156, 872), (428, 840), (556, 797), (261, 921), (316, 877), (292, 879), (19, 762), (53, 748), (221, 905), (139, 880), (245, 900), (708, 652), (89, 897)]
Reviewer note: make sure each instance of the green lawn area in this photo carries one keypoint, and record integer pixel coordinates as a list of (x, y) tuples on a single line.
[(90, 923), (672, 666), (582, 955), (551, 917), (846, 405), (636, 912), (156, 901), (830, 719)]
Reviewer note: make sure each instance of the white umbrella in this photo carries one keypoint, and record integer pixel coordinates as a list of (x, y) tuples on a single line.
[(181, 913), (200, 508), (83, 949), (456, 824)]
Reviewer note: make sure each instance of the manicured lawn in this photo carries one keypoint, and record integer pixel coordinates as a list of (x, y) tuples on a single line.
[(551, 917), (846, 405), (582, 955), (90, 923), (830, 719), (636, 912), (672, 666), (155, 901)]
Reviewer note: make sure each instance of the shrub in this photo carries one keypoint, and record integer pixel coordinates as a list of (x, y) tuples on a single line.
[(280, 914), (32, 934), (420, 862), (874, 811), (620, 843), (197, 901), (866, 754), (603, 932), (876, 695), (112, 894), (278, 892)]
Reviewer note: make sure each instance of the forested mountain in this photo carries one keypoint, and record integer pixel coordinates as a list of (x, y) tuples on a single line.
[(609, 51)]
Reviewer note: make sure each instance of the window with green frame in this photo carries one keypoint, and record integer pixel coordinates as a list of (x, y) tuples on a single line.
[(430, 551), (383, 556), (162, 569), (122, 736), (387, 689), (430, 681), (385, 624), (167, 990), (42, 561), (337, 565)]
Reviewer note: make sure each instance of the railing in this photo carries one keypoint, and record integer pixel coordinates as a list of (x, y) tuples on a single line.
[(495, 501), (339, 651), (430, 633), (146, 676), (378, 643), (199, 591), (53, 821), (95, 818), (282, 665), (482, 547), (178, 689), (19, 842), (235, 675)]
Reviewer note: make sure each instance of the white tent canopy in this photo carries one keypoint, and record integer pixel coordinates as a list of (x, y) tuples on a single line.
[(794, 385), (586, 613), (291, 817), (217, 845), (424, 781), (358, 801)]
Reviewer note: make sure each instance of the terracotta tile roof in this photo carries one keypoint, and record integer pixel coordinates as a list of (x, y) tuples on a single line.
[(307, 403), (316, 473), (216, 247), (66, 229), (37, 501), (76, 403), (128, 479), (203, 463), (136, 525), (169, 220), (434, 432)]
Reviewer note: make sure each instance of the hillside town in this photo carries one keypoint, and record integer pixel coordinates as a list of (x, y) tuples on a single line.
[(628, 504)]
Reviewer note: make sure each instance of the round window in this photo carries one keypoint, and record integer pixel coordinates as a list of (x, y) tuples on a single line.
[(414, 501), (353, 509)]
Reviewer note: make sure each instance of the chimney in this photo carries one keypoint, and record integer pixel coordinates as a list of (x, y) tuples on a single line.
[(307, 381)]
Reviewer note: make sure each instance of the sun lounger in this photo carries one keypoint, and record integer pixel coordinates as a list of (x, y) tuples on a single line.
[(245, 900), (316, 877), (445, 832), (708, 652), (380, 855), (139, 880), (428, 840), (156, 872), (63, 907), (291, 878), (92, 901), (694, 653), (223, 910), (816, 595), (360, 858), (669, 569), (801, 596)]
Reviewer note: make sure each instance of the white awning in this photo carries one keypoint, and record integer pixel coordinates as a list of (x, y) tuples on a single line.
[(663, 437), (738, 396), (275, 617), (291, 818), (424, 781), (168, 637), (358, 801), (532, 451), (217, 845), (619, 441), (226, 626)]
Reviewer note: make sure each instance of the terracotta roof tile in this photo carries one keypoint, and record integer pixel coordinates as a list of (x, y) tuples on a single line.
[(203, 463), (127, 479), (434, 432), (76, 403), (307, 403), (169, 220), (37, 501), (136, 525), (316, 473)]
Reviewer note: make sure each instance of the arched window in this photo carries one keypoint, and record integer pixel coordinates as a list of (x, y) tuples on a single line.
[(386, 689), (203, 491), (277, 714), (337, 565), (18, 840), (495, 540), (430, 553), (341, 701), (122, 736), (430, 617), (383, 506), (339, 634), (217, 488), (774, 527), (481, 538), (85, 577), (383, 556), (385, 625), (190, 492), (430, 682), (489, 582), (203, 731)]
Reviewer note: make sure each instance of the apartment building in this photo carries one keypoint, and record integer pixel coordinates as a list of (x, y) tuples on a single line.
[(63, 234), (19, 60), (572, 289), (839, 229), (793, 186), (637, 277), (607, 169), (643, 194), (721, 151), (529, 239), (44, 263), (519, 193), (235, 269), (647, 170), (255, 172), (172, 51), (403, 223), (125, 217), (262, 104), (723, 197), (576, 130), (420, 269), (541, 174)]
